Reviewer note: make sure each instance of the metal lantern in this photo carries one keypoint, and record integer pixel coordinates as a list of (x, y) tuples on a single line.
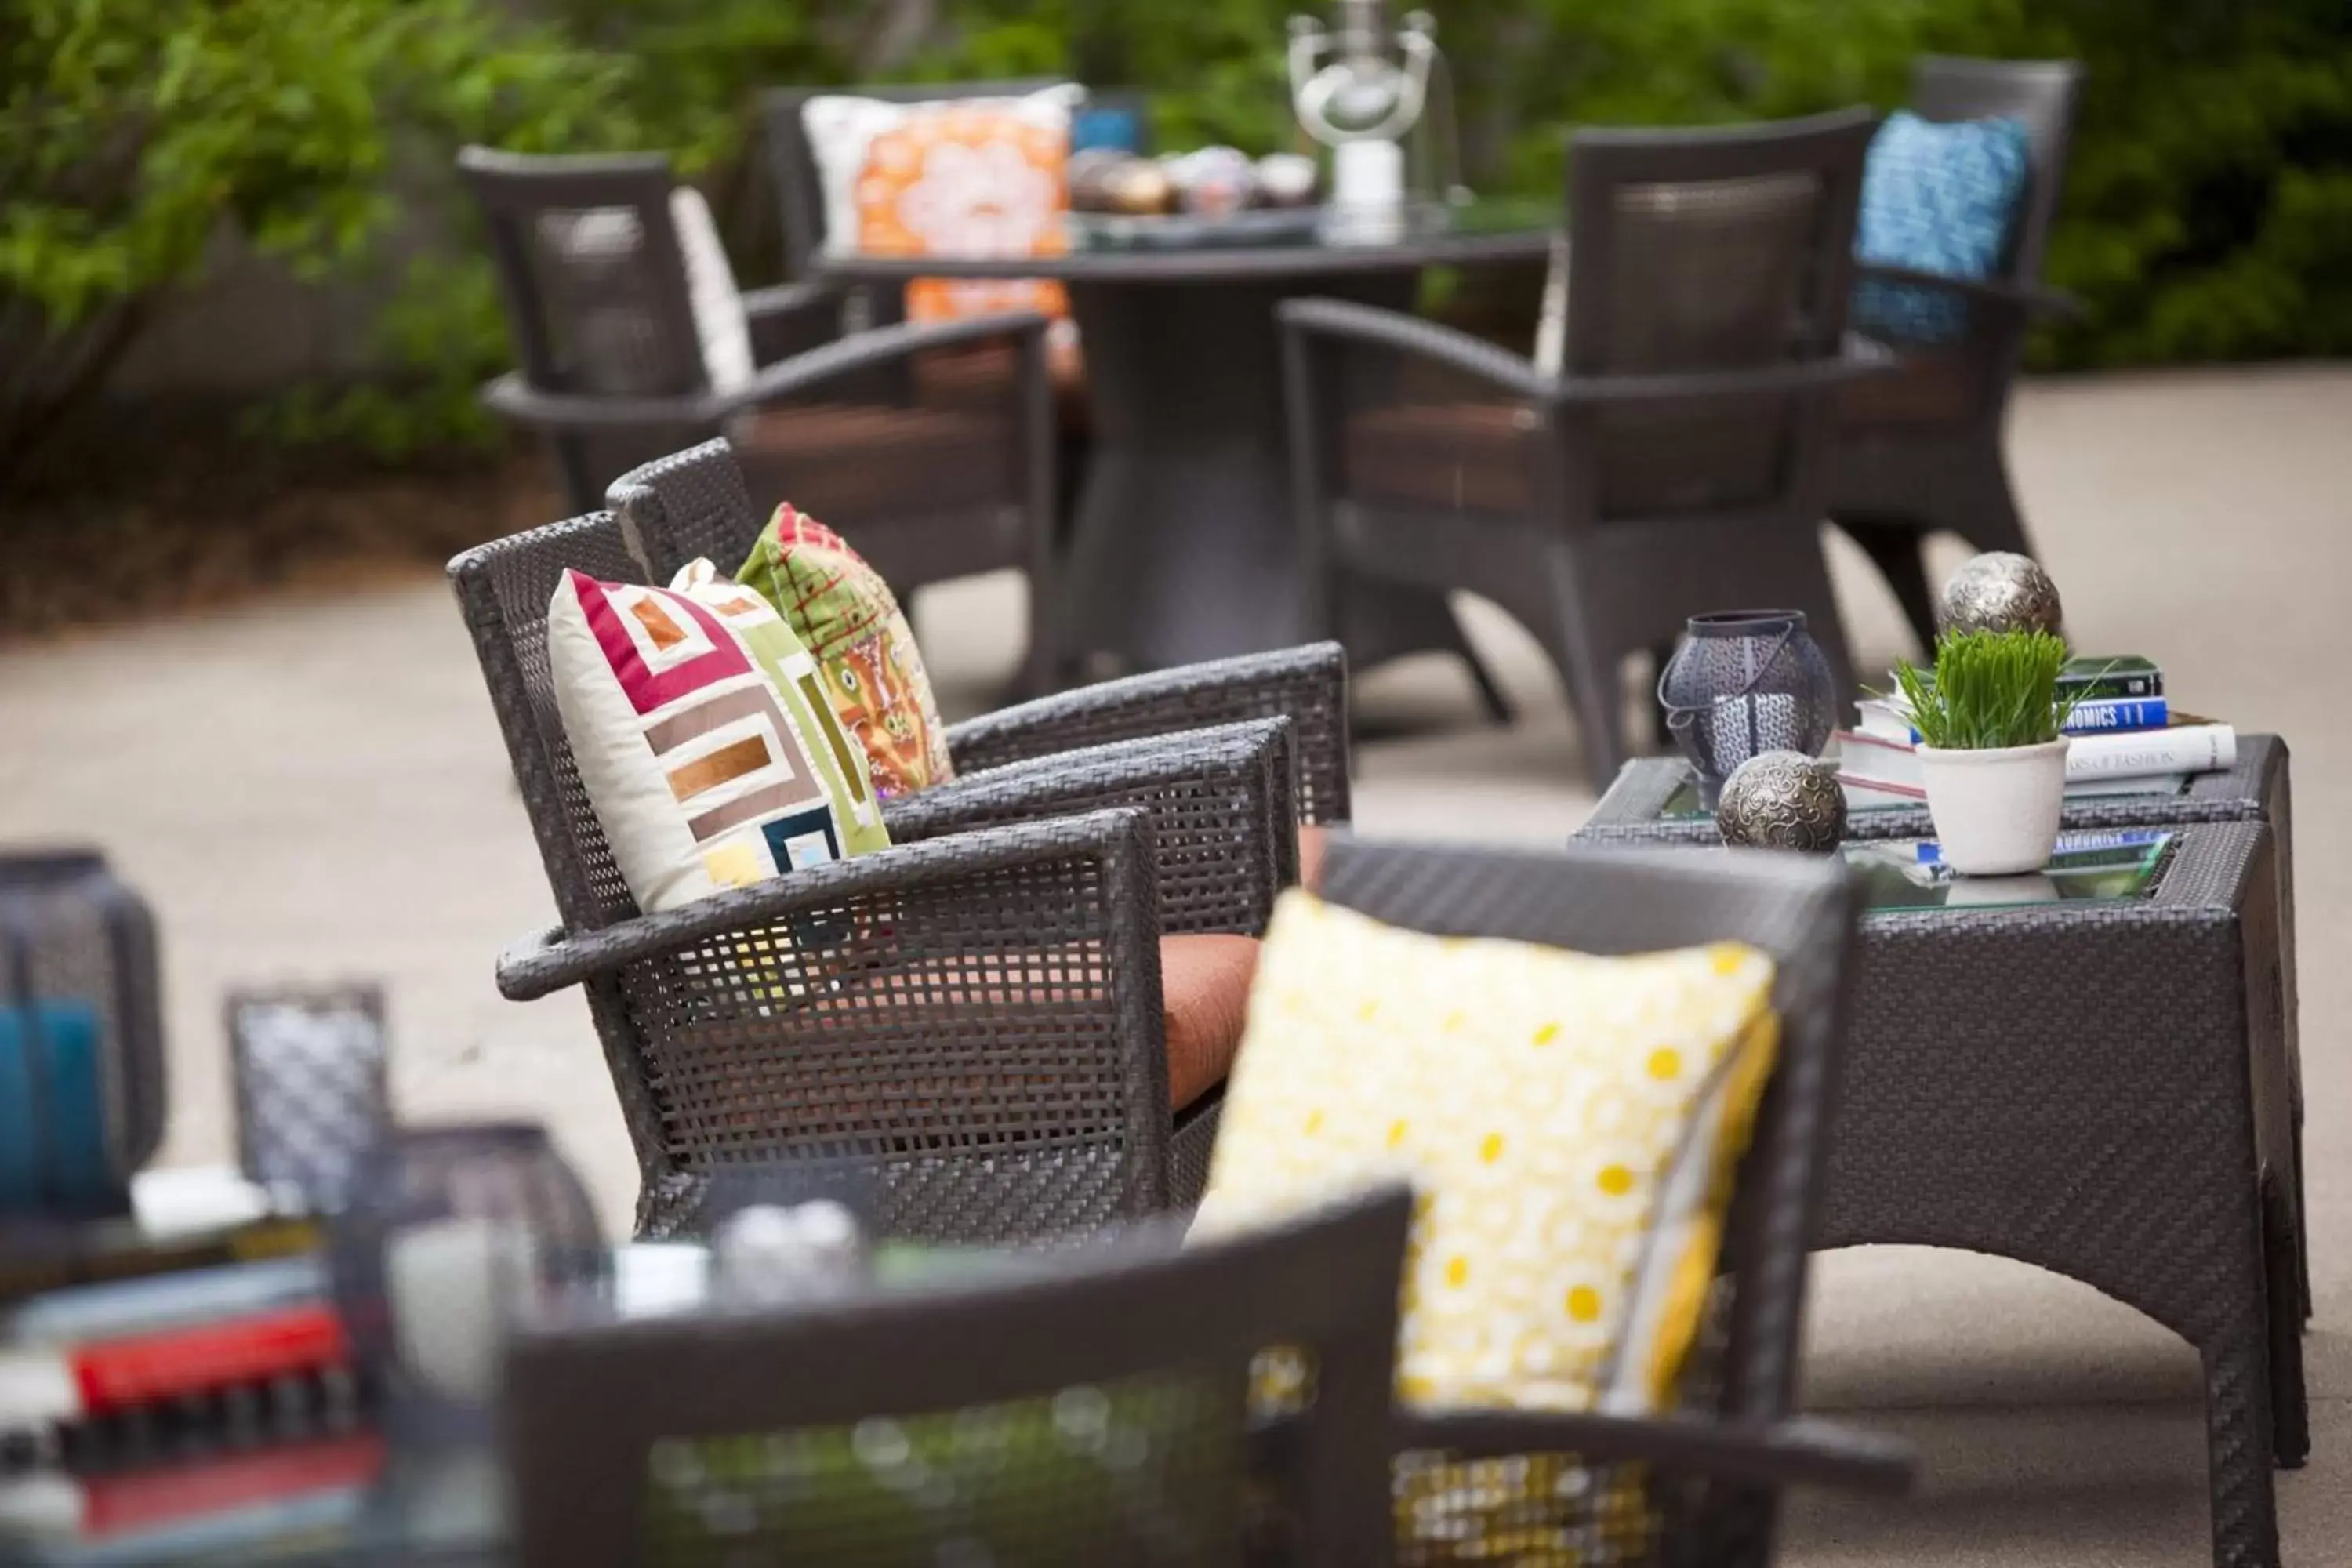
[(1782, 800), (2002, 591), (1381, 99), (453, 1235), (81, 1037), (309, 1069), (1742, 683)]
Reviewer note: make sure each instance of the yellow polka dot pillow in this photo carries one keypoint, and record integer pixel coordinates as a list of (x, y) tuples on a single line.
[(1572, 1124)]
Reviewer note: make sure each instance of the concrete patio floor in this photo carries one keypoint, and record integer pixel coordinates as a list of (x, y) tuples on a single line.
[(313, 790)]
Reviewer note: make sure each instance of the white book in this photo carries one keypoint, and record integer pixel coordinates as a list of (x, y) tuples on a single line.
[(2090, 759)]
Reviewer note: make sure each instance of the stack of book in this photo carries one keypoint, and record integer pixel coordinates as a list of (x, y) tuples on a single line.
[(113, 1339), (2127, 739)]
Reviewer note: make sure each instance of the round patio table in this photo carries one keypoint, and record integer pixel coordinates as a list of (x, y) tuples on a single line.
[(1185, 546)]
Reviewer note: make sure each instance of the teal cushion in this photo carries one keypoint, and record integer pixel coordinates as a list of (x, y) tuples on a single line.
[(1936, 197)]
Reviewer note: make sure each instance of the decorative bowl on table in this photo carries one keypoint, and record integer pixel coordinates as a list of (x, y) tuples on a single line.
[(1214, 195)]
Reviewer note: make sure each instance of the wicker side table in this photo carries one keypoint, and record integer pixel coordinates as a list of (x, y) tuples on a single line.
[(1651, 802), (2101, 1087)]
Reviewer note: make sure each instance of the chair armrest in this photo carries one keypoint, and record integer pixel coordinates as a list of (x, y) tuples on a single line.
[(1857, 357), (1306, 685), (552, 960), (1798, 1451), (2019, 301), (1456, 350), (516, 398), (790, 319), (1224, 832)]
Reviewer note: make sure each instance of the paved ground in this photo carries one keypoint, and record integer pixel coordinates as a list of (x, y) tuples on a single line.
[(313, 790)]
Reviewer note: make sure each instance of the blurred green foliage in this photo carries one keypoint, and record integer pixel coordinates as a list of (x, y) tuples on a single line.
[(2208, 213)]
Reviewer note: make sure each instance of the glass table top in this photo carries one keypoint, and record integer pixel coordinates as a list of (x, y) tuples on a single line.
[(1907, 875)]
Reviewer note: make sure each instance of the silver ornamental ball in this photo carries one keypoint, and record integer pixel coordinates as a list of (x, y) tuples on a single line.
[(1781, 800), (2001, 591)]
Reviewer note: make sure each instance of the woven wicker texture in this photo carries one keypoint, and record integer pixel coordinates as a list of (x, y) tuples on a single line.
[(312, 1099), (1678, 461), (1577, 1501), (2104, 1089), (1919, 450), (1089, 1409), (695, 503), (976, 1010)]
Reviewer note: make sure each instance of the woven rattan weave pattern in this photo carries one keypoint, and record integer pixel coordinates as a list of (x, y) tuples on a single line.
[(2102, 1089), (1089, 1409), (976, 1010)]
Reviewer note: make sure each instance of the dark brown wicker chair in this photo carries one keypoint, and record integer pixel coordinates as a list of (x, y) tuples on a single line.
[(695, 504), (1700, 1488), (881, 434), (1680, 464), (1920, 450), (1090, 1409), (983, 1021)]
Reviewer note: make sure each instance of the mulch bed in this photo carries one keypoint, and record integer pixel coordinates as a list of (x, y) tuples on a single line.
[(167, 524)]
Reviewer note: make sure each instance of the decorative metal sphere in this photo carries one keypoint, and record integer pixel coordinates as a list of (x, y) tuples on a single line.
[(1781, 800), (2001, 591)]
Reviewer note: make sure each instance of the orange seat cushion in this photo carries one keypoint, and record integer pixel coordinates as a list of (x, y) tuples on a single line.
[(1205, 986)]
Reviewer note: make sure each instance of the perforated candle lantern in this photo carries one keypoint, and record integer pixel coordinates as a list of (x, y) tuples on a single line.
[(82, 1040), (1744, 682)]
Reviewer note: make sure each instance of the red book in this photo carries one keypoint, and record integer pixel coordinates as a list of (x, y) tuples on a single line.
[(152, 1500), (119, 1374)]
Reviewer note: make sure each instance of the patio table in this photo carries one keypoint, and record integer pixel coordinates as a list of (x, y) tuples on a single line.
[(2095, 1079), (1186, 548)]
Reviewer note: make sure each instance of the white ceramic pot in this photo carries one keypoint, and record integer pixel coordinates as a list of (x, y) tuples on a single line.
[(1996, 811)]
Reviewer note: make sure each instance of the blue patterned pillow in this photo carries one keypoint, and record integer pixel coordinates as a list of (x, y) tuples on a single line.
[(1936, 197)]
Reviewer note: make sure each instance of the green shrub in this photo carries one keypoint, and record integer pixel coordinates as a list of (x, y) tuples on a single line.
[(131, 134)]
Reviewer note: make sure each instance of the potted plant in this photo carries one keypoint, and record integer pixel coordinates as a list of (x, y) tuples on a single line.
[(1993, 753)]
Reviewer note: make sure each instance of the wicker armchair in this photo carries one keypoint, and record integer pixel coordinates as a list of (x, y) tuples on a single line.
[(1087, 1410), (1680, 463), (933, 445), (695, 504), (1598, 1490), (983, 1017), (1920, 450)]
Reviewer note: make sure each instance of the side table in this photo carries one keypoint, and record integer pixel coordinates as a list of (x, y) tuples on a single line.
[(2098, 1085), (1654, 800)]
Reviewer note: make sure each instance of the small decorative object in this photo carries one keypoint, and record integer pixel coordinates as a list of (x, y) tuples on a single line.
[(1782, 800), (1381, 98), (1137, 187), (1992, 750), (2001, 591), (1288, 179), (1215, 181), (1089, 175), (1744, 682), (769, 1256), (81, 1037), (310, 1100), (454, 1235)]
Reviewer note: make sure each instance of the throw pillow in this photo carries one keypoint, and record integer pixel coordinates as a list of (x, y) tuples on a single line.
[(847, 618), (965, 177), (707, 754), (1936, 196), (1571, 1122)]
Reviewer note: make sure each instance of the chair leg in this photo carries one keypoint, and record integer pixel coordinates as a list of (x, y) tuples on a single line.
[(1897, 549), (1993, 521), (1589, 670), (2290, 1403), (1490, 692), (2238, 1450)]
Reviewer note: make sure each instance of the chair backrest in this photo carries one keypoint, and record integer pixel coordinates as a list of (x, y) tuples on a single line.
[(594, 274), (690, 504), (2041, 93), (503, 589), (1720, 249), (1091, 1409), (800, 192), (1799, 910)]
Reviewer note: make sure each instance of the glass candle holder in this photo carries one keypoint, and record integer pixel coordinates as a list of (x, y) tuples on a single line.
[(1742, 683), (454, 1235)]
